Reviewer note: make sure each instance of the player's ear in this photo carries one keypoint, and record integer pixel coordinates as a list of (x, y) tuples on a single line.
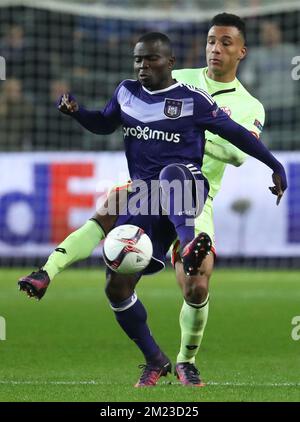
[(172, 62), (243, 53)]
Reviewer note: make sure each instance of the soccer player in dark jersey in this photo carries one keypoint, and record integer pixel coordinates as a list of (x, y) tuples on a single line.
[(164, 123)]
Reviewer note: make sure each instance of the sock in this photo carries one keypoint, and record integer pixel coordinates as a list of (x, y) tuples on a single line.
[(132, 317), (193, 319), (178, 201), (78, 245), (185, 233)]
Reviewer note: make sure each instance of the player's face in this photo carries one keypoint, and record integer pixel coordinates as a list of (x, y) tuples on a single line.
[(224, 49), (153, 65)]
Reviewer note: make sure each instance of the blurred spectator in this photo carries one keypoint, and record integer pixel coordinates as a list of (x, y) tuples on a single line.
[(53, 131), (195, 53), (267, 73), (104, 44), (14, 47), (16, 117)]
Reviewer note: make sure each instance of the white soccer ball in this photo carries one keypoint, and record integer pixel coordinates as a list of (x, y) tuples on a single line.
[(127, 249)]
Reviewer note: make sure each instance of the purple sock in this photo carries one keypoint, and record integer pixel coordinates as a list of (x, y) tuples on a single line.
[(133, 320), (185, 233)]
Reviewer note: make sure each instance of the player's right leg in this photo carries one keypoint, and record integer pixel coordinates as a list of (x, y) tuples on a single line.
[(193, 319), (132, 318), (77, 246)]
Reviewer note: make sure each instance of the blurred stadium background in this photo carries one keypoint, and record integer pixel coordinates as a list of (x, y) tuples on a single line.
[(52, 171)]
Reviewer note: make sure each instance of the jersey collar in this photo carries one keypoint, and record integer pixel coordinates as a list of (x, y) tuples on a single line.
[(219, 86), (161, 90)]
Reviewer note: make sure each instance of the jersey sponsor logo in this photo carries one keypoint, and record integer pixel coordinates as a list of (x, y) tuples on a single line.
[(226, 110), (173, 108), (258, 125), (151, 134)]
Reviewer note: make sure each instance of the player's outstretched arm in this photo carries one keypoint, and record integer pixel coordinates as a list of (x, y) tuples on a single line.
[(99, 122), (220, 123)]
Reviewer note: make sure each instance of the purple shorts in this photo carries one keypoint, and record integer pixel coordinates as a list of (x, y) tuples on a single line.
[(147, 213)]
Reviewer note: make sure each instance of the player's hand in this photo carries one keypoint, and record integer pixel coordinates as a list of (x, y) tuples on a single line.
[(280, 185), (67, 104)]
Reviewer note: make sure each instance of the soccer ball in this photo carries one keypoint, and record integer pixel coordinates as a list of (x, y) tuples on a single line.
[(127, 249)]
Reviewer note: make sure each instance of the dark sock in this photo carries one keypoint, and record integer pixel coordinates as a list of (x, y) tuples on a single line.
[(133, 320), (185, 233)]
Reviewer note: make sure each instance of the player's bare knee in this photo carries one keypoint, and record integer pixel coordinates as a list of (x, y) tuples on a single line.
[(196, 289), (117, 292), (114, 289), (106, 221), (120, 287)]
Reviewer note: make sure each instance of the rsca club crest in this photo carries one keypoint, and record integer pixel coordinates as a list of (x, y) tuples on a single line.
[(173, 108)]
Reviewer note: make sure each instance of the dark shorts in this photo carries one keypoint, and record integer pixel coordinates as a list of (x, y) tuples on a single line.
[(158, 227)]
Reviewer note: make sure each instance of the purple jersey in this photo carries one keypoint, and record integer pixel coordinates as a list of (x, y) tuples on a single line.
[(161, 127), (167, 126)]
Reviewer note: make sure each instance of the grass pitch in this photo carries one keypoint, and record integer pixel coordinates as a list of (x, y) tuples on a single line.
[(68, 346)]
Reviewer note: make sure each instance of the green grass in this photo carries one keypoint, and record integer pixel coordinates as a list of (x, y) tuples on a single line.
[(68, 347)]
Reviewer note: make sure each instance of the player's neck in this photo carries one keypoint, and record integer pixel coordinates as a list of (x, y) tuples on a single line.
[(163, 85), (225, 78)]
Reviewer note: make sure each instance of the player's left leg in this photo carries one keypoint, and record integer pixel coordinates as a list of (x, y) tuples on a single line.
[(132, 317), (183, 193), (77, 246)]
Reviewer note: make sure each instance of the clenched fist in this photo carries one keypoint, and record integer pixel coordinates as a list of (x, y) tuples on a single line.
[(67, 104)]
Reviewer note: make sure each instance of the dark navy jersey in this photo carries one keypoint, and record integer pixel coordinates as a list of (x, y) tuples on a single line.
[(161, 127), (167, 126)]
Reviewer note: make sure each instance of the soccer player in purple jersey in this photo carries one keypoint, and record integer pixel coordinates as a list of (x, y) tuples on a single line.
[(164, 123)]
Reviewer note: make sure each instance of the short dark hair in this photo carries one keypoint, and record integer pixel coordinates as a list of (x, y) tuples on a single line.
[(228, 19), (157, 36)]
